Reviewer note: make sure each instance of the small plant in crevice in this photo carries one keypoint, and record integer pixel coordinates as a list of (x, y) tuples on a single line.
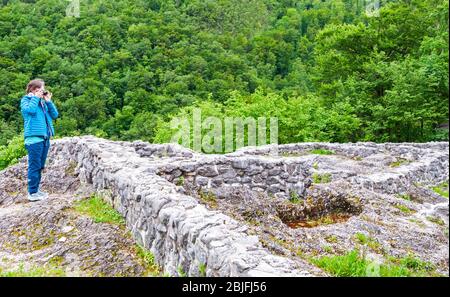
[(294, 197), (436, 220), (417, 222), (399, 162), (181, 272), (331, 239), (180, 181), (208, 197), (321, 178), (404, 196), (372, 243), (327, 249), (404, 209), (148, 260), (202, 269)]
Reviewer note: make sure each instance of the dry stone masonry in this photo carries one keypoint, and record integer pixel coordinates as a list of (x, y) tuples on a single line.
[(255, 213)]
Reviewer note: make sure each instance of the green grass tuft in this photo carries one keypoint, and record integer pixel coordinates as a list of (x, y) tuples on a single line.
[(181, 272), (99, 211), (441, 189), (293, 197), (369, 241), (180, 182), (436, 220), (202, 269), (208, 198), (404, 209), (321, 152), (331, 239), (399, 163), (404, 196)]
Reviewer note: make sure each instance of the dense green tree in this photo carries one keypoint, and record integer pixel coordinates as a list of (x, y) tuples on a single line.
[(325, 69)]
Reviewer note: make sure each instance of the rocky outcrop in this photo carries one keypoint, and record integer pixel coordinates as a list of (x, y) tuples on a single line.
[(249, 213)]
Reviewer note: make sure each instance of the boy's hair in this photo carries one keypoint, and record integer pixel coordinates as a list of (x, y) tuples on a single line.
[(34, 84)]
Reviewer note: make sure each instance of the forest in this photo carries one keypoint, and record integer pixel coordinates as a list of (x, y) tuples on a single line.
[(328, 70)]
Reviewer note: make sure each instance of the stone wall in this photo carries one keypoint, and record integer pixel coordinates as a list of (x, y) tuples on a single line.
[(147, 184), (277, 177), (181, 233)]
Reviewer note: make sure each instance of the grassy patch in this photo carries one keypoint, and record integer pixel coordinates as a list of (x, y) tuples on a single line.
[(321, 152), (436, 220), (369, 241), (35, 271), (327, 249), (56, 261), (148, 260), (99, 211), (331, 239), (418, 222), (398, 163), (404, 196), (404, 209), (321, 178), (441, 189), (208, 198), (350, 264), (353, 264)]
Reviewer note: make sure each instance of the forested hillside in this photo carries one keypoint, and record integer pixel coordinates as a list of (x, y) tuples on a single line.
[(328, 71)]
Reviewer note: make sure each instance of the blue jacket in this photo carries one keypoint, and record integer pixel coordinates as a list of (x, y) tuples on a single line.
[(35, 112)]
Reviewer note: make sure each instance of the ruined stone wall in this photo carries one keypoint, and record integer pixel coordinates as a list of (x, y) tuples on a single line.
[(181, 233), (148, 185), (271, 176)]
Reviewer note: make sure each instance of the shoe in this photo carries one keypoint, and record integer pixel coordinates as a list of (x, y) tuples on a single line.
[(43, 194), (35, 197)]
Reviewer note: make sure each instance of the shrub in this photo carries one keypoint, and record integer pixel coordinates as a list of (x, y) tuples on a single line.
[(12, 152), (355, 264)]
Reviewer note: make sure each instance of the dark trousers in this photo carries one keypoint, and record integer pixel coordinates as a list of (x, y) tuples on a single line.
[(37, 155)]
